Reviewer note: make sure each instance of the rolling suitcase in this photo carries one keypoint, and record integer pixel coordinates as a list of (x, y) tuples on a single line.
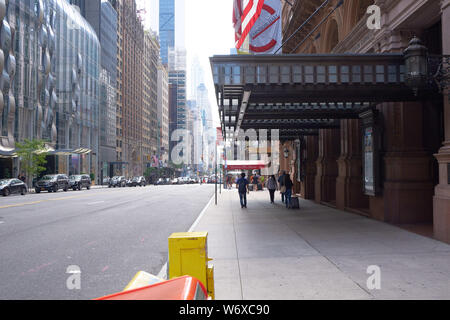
[(295, 203)]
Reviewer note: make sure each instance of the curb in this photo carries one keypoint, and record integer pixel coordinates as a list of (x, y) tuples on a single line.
[(163, 272)]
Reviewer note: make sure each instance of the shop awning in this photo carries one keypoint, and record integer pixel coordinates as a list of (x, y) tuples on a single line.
[(68, 152), (245, 165), (8, 154), (49, 150)]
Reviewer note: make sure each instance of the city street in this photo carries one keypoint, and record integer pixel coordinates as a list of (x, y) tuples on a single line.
[(110, 234)]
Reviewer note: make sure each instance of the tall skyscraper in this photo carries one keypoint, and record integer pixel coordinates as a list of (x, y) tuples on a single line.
[(177, 59), (196, 77), (130, 88), (166, 28), (207, 129), (103, 18), (163, 113), (150, 99)]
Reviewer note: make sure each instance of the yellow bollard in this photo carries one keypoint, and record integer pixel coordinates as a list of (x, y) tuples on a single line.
[(210, 282), (188, 255)]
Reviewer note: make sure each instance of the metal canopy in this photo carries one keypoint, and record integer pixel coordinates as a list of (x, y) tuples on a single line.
[(305, 92)]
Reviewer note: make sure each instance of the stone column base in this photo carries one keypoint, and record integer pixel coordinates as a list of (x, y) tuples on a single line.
[(441, 200), (408, 202), (325, 188), (349, 193), (308, 191), (441, 214)]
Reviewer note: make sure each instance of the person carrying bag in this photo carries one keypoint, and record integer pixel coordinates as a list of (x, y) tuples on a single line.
[(282, 186), (272, 187)]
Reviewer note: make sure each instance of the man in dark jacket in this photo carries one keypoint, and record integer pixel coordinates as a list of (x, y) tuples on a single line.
[(281, 183), (288, 194), (242, 184)]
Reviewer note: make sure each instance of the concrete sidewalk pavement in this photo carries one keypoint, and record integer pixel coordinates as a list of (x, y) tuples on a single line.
[(267, 252)]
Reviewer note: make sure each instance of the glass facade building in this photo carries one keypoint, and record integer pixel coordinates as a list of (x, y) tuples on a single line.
[(178, 78), (166, 28), (108, 102), (103, 19), (77, 70), (50, 84)]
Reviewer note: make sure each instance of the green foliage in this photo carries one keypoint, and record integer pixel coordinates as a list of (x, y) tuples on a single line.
[(7, 174), (176, 166), (32, 155)]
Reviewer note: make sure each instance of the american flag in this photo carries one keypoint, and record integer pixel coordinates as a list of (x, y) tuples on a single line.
[(245, 14)]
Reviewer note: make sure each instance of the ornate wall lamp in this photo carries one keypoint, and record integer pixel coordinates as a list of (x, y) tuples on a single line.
[(423, 70)]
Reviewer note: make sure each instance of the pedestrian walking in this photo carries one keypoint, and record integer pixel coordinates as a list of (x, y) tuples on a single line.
[(22, 177), (272, 187), (242, 185), (281, 183), (288, 194)]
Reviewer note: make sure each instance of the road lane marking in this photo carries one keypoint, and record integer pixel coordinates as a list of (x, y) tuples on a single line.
[(201, 215), (98, 202), (21, 204), (42, 201), (72, 197)]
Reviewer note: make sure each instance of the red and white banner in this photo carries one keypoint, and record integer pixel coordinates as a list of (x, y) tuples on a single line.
[(245, 14), (219, 134), (265, 35)]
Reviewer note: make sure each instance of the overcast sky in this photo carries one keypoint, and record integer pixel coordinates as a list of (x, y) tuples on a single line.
[(208, 31)]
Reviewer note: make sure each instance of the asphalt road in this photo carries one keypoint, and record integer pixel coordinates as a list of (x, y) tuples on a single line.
[(110, 234)]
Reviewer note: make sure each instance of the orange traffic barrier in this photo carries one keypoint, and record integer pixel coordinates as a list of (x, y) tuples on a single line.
[(183, 288)]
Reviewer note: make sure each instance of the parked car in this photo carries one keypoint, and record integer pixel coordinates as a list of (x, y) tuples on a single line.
[(174, 181), (160, 182), (53, 183), (106, 181), (186, 180), (12, 186), (138, 181), (78, 182), (118, 181)]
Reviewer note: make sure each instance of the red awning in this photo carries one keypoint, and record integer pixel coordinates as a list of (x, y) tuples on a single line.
[(245, 165)]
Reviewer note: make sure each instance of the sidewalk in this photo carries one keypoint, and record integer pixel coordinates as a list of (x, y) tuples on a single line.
[(267, 252)]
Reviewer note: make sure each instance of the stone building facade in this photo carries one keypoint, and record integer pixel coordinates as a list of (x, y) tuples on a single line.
[(150, 98), (415, 147), (130, 87)]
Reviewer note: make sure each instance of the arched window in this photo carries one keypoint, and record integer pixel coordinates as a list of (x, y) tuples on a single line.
[(332, 36)]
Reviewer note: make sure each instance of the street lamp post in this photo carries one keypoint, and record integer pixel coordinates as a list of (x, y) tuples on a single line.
[(216, 174)]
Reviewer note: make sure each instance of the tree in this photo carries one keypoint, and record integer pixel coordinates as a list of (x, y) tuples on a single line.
[(32, 155)]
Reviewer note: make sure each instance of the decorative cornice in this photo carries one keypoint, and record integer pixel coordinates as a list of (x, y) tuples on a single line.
[(445, 4), (356, 40)]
